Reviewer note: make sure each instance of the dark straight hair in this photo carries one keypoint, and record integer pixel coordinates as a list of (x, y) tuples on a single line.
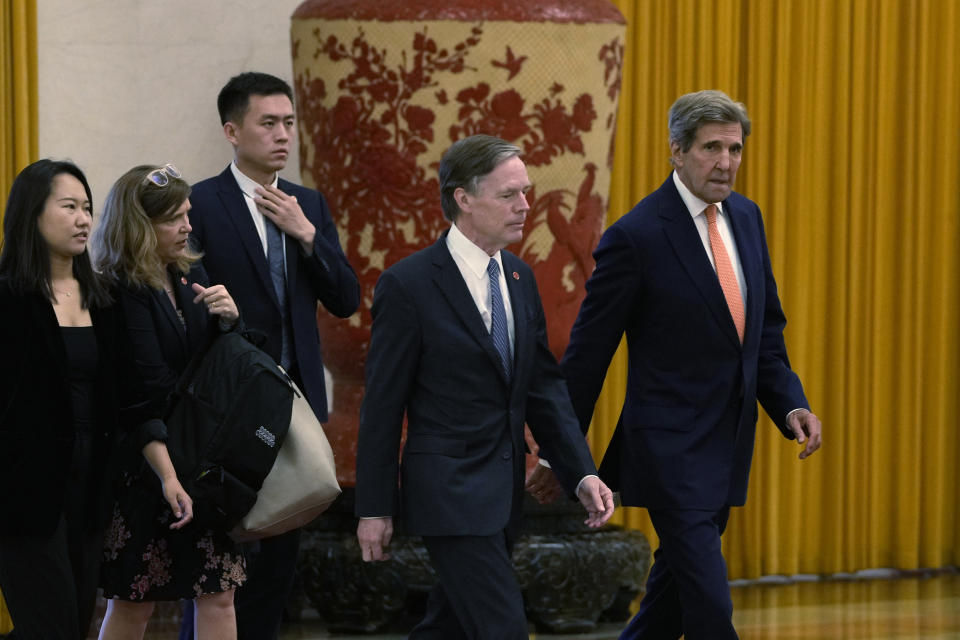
[(25, 258), (234, 98)]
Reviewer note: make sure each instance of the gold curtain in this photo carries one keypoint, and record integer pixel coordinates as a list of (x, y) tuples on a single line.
[(18, 89), (18, 114), (853, 159)]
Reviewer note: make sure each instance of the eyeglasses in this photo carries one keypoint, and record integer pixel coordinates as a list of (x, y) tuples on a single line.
[(162, 176)]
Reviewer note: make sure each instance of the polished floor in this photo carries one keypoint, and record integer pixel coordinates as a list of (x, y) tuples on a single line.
[(870, 606), (920, 606)]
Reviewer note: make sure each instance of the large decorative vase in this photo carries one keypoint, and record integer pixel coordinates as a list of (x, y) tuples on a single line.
[(384, 87)]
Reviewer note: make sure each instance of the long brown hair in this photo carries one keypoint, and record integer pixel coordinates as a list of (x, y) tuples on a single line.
[(125, 242)]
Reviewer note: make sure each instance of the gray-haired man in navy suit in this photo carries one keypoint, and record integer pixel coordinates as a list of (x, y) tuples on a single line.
[(686, 276), (459, 347)]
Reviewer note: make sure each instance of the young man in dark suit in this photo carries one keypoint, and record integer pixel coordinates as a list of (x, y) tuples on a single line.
[(459, 346), (686, 275), (275, 247)]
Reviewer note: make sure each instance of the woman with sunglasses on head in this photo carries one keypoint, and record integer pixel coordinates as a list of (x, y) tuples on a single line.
[(65, 380), (142, 244)]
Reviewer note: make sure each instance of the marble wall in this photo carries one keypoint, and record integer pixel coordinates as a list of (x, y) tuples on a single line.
[(125, 82)]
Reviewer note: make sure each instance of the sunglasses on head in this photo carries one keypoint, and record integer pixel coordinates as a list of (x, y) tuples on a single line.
[(162, 176)]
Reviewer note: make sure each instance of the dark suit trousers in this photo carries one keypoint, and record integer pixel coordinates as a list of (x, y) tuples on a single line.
[(478, 597), (261, 600), (687, 591)]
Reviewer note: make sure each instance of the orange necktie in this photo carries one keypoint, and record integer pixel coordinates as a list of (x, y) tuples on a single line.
[(725, 273)]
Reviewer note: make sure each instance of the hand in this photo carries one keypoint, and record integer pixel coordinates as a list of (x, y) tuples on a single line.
[(597, 499), (374, 535), (806, 426), (543, 485), (180, 503), (218, 300), (286, 213)]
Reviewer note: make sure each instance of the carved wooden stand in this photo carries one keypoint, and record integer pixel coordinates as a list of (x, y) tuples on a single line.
[(572, 577)]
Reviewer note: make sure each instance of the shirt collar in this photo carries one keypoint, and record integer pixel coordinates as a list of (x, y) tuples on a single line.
[(473, 256), (247, 184), (694, 204)]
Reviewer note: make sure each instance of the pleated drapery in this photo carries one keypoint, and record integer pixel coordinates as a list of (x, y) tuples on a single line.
[(18, 115), (853, 160), (18, 89)]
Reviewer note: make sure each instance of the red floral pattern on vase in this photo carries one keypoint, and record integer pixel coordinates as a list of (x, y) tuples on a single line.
[(372, 133)]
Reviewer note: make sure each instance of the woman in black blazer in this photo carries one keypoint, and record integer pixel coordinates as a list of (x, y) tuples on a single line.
[(63, 385), (142, 244)]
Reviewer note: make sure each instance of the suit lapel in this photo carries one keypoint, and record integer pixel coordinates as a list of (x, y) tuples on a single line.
[(236, 210), (752, 272), (162, 302), (518, 305), (449, 280), (105, 328), (292, 247), (44, 317), (682, 235), (194, 316)]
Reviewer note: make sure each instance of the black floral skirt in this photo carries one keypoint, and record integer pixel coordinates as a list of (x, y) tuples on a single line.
[(143, 559)]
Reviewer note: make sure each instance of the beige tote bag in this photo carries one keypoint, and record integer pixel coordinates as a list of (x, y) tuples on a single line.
[(301, 484)]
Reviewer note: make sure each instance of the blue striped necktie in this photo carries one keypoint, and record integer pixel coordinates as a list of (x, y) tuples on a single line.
[(498, 318), (279, 277)]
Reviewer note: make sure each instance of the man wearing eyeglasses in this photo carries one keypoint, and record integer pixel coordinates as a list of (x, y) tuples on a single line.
[(275, 247)]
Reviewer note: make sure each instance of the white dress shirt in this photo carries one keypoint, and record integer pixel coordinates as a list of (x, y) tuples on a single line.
[(697, 209), (249, 188), (472, 262)]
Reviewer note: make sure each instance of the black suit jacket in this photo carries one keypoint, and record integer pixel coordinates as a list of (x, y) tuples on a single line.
[(233, 256), (36, 416), (162, 346), (686, 432), (432, 360)]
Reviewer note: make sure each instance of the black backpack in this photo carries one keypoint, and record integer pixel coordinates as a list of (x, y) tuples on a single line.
[(225, 422)]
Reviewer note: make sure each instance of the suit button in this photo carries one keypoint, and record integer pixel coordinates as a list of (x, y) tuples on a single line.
[(505, 455)]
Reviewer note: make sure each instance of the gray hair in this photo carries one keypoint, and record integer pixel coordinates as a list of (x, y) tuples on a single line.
[(465, 163), (693, 110)]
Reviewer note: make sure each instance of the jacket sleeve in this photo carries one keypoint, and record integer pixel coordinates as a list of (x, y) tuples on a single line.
[(550, 414), (603, 318), (779, 389), (155, 377), (330, 275), (391, 367), (17, 341)]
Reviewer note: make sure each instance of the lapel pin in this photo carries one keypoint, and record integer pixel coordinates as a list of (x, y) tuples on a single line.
[(516, 276), (183, 281)]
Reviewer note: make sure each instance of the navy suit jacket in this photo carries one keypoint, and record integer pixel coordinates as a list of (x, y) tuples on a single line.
[(686, 431), (432, 360), (233, 256)]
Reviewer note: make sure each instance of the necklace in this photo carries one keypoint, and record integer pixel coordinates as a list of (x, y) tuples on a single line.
[(62, 293), (68, 291)]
